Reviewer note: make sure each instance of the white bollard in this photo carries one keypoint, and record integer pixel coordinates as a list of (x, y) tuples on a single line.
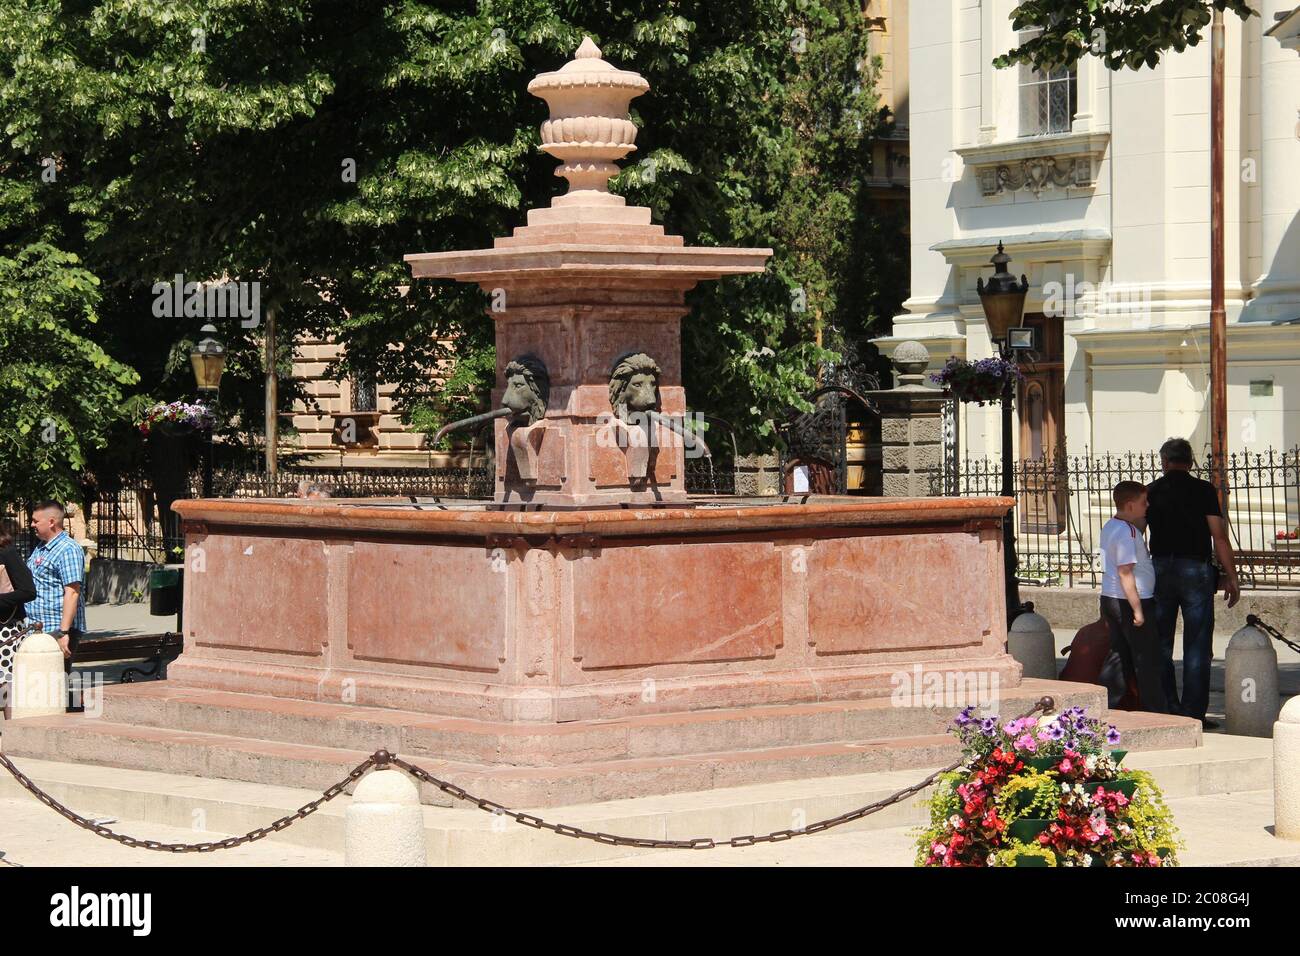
[(384, 825), (40, 687), (1030, 641), (1286, 772), (1250, 687)]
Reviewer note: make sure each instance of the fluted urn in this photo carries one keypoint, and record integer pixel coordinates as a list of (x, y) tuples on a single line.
[(590, 126)]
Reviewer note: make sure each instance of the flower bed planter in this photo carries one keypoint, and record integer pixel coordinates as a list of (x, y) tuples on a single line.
[(1045, 791)]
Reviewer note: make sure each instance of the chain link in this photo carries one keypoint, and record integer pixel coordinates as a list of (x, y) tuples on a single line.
[(382, 760), (229, 843), (12, 633), (1253, 620)]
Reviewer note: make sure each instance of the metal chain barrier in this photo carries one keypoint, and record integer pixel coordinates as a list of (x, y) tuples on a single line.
[(229, 843), (699, 843), (382, 760), (1252, 620)]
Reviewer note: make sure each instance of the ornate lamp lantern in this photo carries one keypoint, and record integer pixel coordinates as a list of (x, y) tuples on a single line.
[(1002, 299), (209, 360)]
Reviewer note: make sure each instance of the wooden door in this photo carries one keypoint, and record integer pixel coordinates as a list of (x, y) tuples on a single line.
[(1041, 409)]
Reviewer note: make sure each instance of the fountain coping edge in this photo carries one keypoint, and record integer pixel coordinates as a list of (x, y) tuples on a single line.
[(338, 515)]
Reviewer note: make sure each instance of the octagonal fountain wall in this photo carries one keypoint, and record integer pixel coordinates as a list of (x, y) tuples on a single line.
[(592, 585)]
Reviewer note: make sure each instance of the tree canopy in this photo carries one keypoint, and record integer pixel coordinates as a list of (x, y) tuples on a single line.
[(1123, 33)]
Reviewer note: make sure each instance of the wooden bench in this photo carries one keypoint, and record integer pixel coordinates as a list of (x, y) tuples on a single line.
[(151, 648)]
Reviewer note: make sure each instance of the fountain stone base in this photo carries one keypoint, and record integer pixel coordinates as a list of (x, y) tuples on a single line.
[(557, 616)]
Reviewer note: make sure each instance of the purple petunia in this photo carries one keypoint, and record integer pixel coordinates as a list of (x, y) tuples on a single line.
[(1112, 735)]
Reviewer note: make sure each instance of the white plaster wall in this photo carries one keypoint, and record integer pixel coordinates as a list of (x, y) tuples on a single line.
[(1130, 390)]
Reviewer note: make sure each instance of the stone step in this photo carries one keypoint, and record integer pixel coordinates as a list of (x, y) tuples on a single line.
[(164, 705), (141, 798), (80, 738)]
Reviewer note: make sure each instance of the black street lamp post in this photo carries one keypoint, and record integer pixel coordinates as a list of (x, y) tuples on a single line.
[(1003, 301), (208, 357)]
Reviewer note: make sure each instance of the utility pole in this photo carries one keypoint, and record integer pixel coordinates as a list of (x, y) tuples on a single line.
[(1218, 317), (272, 395)]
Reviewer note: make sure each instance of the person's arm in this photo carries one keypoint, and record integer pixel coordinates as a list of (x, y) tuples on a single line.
[(1128, 582), (20, 577), (70, 572), (1227, 561)]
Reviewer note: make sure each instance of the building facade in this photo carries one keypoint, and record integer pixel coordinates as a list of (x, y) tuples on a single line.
[(349, 422), (1098, 183)]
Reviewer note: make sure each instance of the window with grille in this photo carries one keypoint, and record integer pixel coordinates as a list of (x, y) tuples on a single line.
[(364, 398), (1048, 100)]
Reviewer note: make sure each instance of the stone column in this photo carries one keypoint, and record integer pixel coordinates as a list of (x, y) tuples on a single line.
[(911, 426)]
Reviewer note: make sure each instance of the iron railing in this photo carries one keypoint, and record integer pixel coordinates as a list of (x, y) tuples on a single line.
[(1062, 502), (126, 524)]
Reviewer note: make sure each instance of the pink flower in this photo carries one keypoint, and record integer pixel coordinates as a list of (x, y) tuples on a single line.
[(1026, 742)]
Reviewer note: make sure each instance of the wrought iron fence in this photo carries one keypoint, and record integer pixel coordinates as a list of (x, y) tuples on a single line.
[(1062, 502), (707, 476), (127, 523)]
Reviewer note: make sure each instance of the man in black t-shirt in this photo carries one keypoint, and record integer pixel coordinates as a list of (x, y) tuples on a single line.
[(1187, 533)]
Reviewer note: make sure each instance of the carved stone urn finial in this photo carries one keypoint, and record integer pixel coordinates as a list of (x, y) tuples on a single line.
[(589, 126)]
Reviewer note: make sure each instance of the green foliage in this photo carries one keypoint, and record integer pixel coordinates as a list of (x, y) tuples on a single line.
[(1010, 855), (59, 391), (1130, 33), (1033, 795), (219, 140), (1151, 822)]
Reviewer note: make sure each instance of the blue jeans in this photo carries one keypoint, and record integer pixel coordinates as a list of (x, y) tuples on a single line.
[(1186, 584)]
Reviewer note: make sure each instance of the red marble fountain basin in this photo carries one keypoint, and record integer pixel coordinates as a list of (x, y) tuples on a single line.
[(571, 615)]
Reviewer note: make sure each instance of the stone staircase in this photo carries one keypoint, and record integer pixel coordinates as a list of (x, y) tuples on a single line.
[(171, 729)]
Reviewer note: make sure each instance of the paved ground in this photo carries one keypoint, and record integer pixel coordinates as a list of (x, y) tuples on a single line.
[(1249, 841), (34, 835), (118, 620)]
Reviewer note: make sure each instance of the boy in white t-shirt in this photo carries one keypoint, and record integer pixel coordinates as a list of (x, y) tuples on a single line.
[(1128, 583)]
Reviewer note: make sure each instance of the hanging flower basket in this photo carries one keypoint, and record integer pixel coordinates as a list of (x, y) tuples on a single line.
[(982, 381), (176, 419), (1045, 791)]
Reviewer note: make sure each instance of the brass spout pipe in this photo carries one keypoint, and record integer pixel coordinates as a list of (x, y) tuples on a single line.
[(466, 422), (673, 426)]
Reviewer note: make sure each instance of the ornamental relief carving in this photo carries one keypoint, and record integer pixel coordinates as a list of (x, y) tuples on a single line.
[(1037, 174)]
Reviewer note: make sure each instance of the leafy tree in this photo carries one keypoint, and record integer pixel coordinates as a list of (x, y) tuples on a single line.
[(1127, 33), (59, 391)]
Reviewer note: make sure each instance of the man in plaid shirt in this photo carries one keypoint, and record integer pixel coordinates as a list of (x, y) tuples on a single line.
[(58, 569)]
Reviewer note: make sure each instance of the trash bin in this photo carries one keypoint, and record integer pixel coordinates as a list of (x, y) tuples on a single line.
[(165, 590)]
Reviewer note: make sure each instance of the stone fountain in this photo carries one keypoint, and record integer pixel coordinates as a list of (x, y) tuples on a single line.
[(592, 632)]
